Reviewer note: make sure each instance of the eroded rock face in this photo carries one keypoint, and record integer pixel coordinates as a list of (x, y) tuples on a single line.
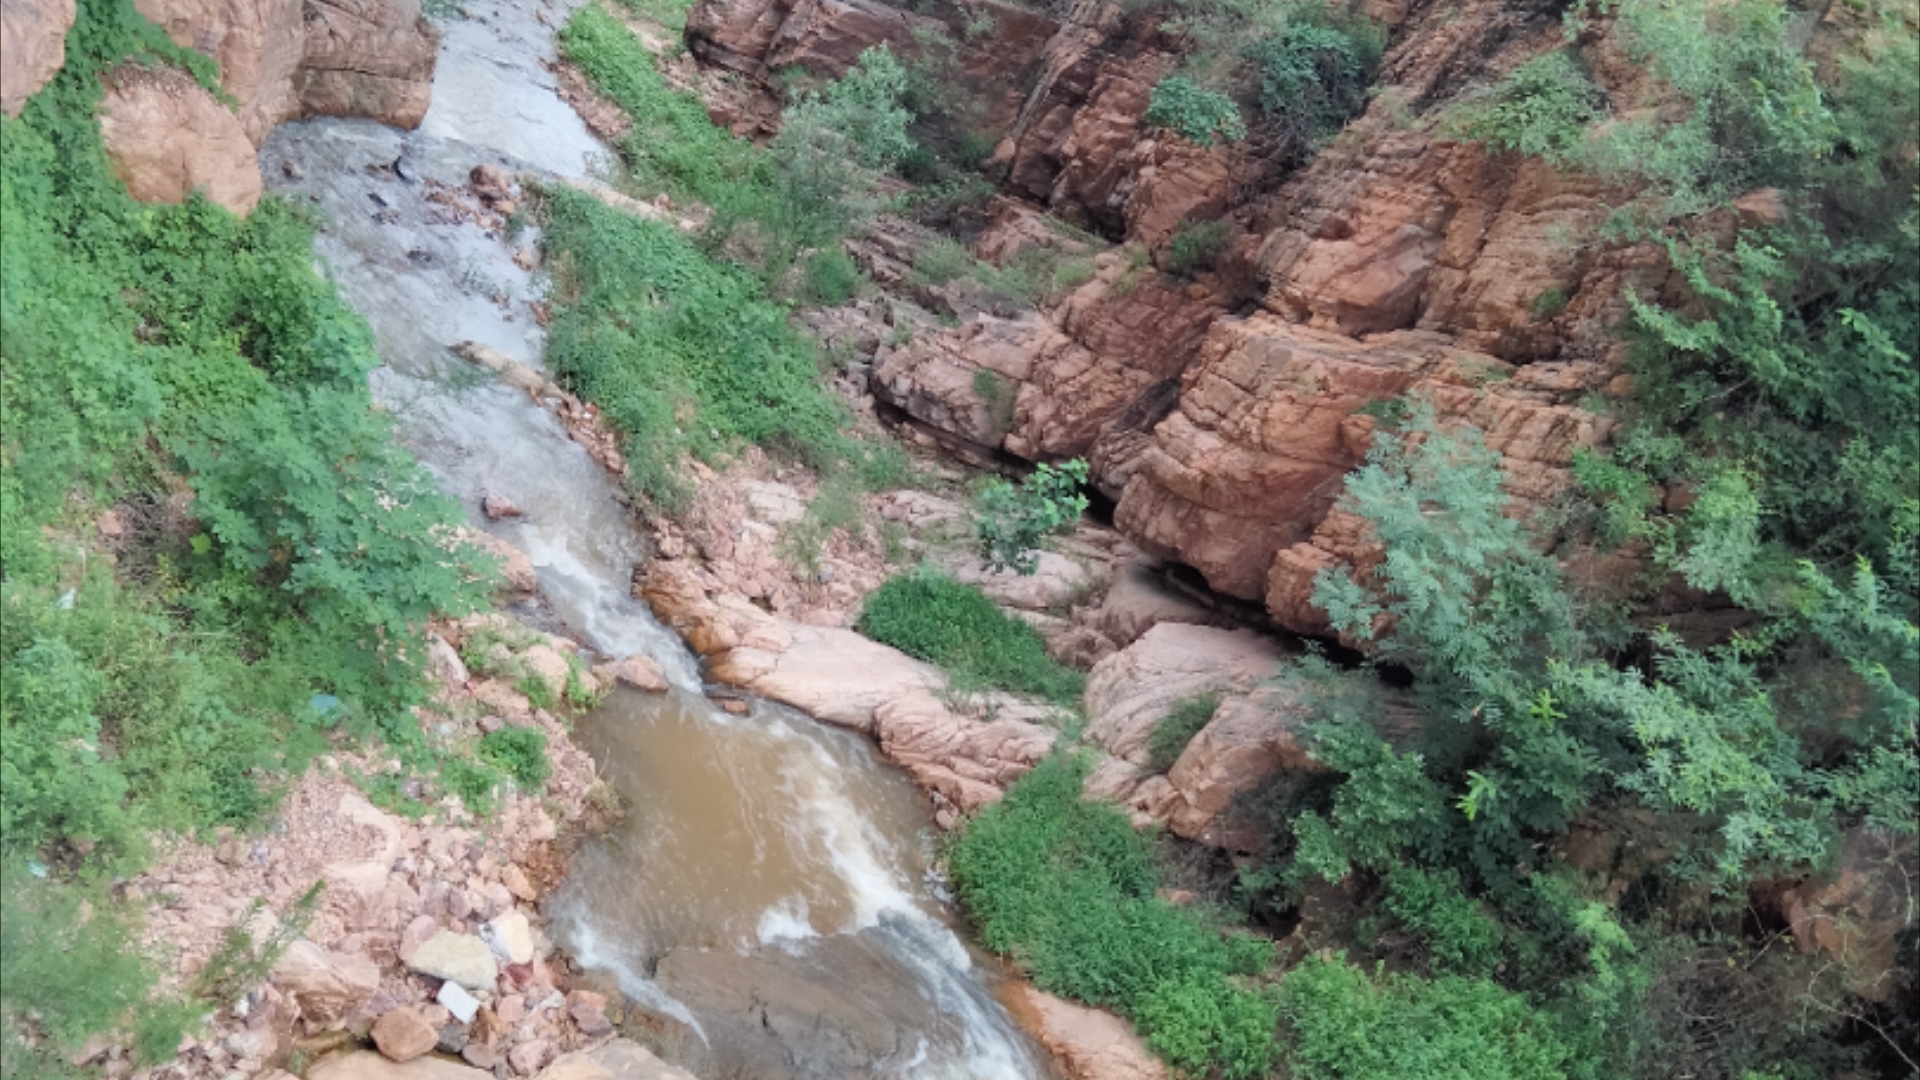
[(33, 45), (257, 43), (1090, 1044), (1269, 424), (167, 137), (370, 58)]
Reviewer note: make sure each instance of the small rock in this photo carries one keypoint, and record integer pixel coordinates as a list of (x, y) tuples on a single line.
[(416, 934), (459, 1003), (480, 1055), (403, 1034), (445, 663), (642, 673), (511, 1009), (95, 1048), (526, 1059), (460, 958), (734, 706), (589, 1011), (497, 506), (453, 1038), (110, 525), (519, 885), (510, 937)]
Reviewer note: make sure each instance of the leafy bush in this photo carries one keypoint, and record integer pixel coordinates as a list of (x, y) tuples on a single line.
[(1011, 523), (1194, 246), (1459, 936), (1066, 887), (934, 618), (520, 752), (830, 278), (1313, 71), (1343, 1025), (1197, 115), (1172, 733), (1542, 110)]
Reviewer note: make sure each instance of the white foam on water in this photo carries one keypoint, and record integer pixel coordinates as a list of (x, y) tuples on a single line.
[(591, 951), (786, 921)]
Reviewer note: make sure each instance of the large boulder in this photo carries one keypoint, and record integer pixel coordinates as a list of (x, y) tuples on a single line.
[(460, 958), (257, 43), (1134, 689), (369, 1065), (167, 137), (370, 58), (33, 45), (616, 1059)]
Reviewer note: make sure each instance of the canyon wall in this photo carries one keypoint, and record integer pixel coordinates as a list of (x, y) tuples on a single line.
[(1222, 409)]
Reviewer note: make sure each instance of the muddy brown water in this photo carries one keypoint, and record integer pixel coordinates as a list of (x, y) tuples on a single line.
[(767, 900)]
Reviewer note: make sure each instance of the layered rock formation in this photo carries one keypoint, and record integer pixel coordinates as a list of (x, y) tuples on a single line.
[(1400, 261)]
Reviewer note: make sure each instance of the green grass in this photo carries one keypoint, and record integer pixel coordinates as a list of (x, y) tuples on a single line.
[(685, 355), (1067, 889), (934, 618), (1175, 730)]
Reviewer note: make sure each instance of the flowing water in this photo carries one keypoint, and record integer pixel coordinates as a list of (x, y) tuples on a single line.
[(767, 897)]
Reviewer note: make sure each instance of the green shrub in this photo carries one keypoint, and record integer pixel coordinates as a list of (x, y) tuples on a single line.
[(1011, 522), (1172, 733), (1313, 71), (1066, 887), (1459, 936), (1197, 115), (830, 278), (1343, 1025), (934, 618), (1542, 110), (942, 261), (1194, 246), (472, 782), (520, 752)]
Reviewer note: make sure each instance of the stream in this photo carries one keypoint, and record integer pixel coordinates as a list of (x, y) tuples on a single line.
[(767, 901)]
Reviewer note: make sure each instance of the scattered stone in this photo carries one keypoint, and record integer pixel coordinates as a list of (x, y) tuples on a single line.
[(446, 664), (403, 1034), (526, 1059), (416, 934), (589, 1011), (459, 1003), (369, 1065), (460, 958), (519, 885), (453, 1038), (325, 986), (511, 1009), (480, 1055), (642, 673), (497, 506), (510, 937)]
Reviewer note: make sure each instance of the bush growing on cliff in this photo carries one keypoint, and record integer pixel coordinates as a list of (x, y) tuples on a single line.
[(930, 616), (1196, 115)]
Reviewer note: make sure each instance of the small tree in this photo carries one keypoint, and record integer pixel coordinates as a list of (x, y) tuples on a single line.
[(1012, 522)]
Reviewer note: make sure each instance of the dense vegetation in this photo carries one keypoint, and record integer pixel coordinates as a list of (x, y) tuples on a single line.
[(932, 617), (1782, 401), (258, 585)]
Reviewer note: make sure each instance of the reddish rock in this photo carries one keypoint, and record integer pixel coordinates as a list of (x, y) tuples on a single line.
[(33, 45), (589, 1012), (323, 985), (403, 1034), (167, 137), (497, 506), (527, 1058)]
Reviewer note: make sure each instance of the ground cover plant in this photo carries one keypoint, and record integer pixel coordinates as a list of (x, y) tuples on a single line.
[(932, 617), (1067, 888), (258, 587)]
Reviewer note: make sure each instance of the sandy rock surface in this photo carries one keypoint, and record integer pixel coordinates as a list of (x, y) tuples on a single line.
[(167, 137), (33, 45)]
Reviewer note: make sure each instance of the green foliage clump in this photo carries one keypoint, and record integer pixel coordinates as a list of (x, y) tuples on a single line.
[(1195, 114), (1012, 522), (934, 618), (829, 277), (1542, 110), (64, 957), (1066, 888), (686, 356), (1342, 1024), (1172, 733), (1313, 71), (1194, 246), (520, 752)]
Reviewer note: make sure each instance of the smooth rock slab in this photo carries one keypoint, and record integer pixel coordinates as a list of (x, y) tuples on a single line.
[(403, 1034), (460, 958)]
